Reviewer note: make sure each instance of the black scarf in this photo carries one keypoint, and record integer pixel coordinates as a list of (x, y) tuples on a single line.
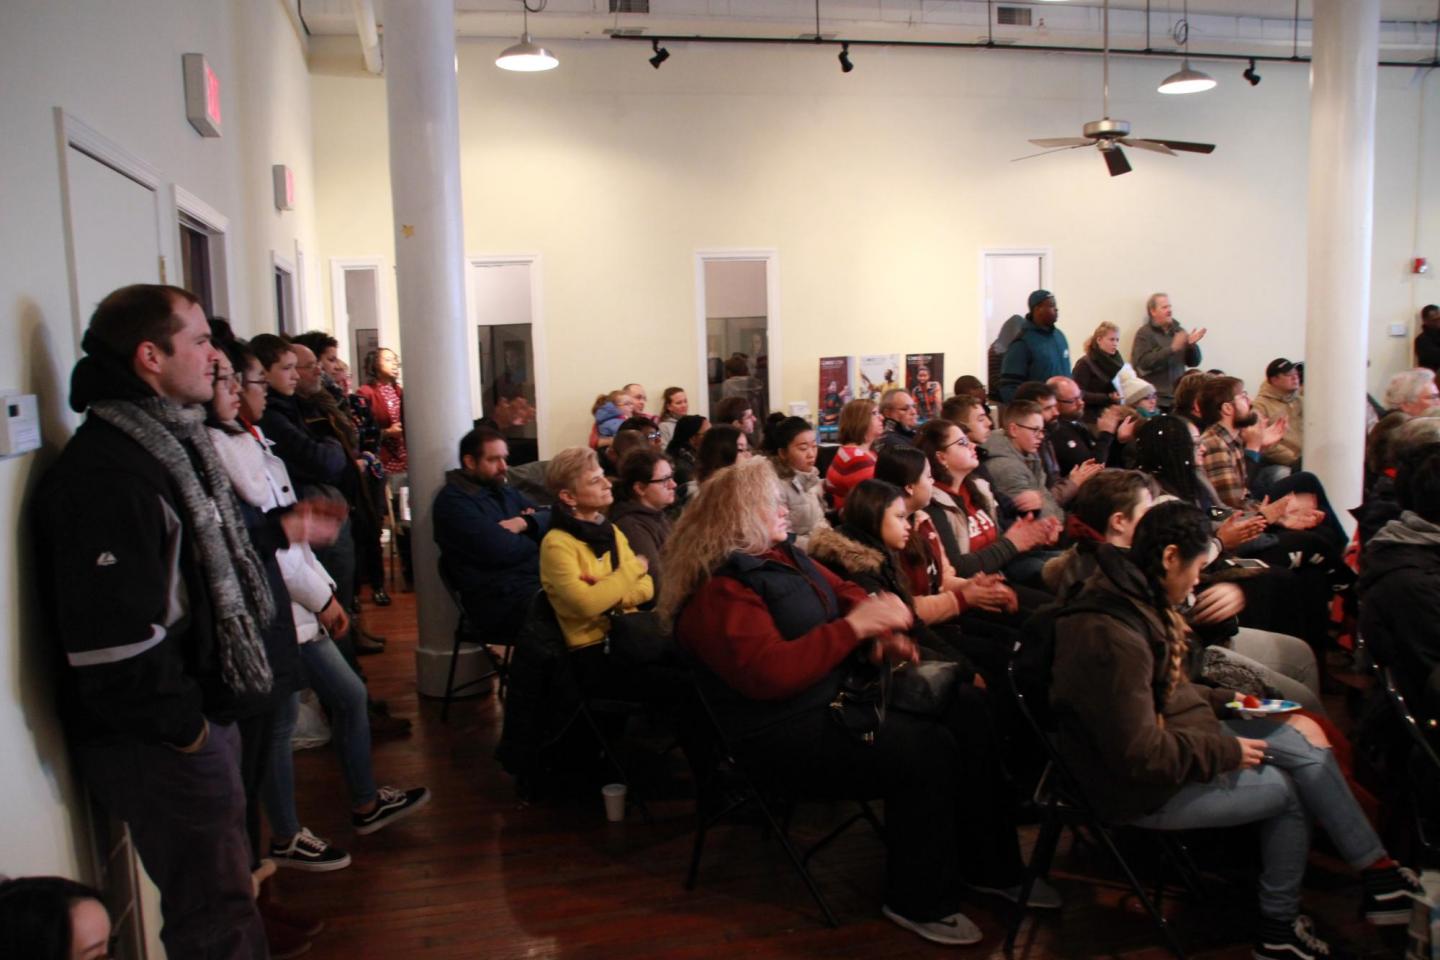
[(599, 537), (1108, 364)]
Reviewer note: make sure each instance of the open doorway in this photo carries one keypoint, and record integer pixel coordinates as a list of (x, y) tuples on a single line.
[(736, 298), (357, 309), (509, 383), (282, 277)]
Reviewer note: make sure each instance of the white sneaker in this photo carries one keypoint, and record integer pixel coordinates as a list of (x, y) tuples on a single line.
[(956, 930), (1042, 895)]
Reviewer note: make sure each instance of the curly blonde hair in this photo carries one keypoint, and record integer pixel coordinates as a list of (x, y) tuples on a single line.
[(730, 513), (1105, 327)]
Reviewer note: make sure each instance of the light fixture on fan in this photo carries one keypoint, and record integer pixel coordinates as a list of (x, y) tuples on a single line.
[(527, 56), (1186, 79)]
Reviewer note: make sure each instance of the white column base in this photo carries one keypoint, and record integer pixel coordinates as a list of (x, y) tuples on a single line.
[(433, 666)]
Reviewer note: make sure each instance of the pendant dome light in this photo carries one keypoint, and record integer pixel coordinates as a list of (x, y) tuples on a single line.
[(1186, 79), (527, 56)]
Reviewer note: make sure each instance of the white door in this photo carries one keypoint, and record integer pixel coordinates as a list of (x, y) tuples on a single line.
[(508, 351), (1010, 278), (114, 230)]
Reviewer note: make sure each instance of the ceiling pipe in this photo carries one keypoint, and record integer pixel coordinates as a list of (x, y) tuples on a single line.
[(369, 34), (985, 45)]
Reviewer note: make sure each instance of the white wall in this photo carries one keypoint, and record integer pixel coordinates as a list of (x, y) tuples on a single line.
[(878, 189), (117, 68)]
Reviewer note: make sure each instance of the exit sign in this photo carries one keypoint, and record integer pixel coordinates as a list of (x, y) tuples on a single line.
[(202, 95)]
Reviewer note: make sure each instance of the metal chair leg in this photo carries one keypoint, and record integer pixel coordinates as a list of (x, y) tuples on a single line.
[(1040, 857), (450, 680), (1166, 928)]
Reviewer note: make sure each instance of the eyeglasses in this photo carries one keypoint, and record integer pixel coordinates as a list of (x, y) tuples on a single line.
[(654, 435), (254, 383), (1026, 426), (668, 478), (964, 441), (1069, 401)]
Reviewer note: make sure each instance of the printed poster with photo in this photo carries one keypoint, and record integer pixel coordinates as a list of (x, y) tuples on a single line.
[(834, 393), (878, 372), (924, 376)]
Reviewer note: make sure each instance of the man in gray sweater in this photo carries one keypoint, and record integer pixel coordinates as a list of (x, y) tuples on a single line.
[(1162, 349)]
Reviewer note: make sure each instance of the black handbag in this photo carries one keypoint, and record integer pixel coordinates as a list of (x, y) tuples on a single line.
[(859, 704), (637, 638)]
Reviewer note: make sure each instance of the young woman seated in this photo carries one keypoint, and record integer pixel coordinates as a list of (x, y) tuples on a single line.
[(52, 918), (775, 636), (940, 595), (860, 426), (590, 573), (790, 444), (1153, 750), (684, 448), (645, 493), (1258, 662)]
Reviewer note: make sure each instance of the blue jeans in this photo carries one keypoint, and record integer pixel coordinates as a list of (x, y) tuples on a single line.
[(1296, 783), (343, 694)]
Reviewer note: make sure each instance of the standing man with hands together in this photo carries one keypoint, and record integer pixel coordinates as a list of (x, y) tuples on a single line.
[(1162, 349)]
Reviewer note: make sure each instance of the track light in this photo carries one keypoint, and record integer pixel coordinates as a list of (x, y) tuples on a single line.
[(845, 65), (1251, 75), (661, 54)]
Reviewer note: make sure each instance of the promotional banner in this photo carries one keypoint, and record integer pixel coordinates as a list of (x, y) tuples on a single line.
[(924, 374), (878, 372), (834, 393)]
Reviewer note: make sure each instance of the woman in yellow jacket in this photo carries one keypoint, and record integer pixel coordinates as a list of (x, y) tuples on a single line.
[(587, 567)]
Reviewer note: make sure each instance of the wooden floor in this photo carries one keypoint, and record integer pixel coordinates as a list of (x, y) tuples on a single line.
[(477, 874)]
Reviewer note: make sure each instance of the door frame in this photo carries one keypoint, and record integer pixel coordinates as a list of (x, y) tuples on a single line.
[(279, 261), (1047, 282), (340, 327), (771, 256), (475, 262), (192, 207)]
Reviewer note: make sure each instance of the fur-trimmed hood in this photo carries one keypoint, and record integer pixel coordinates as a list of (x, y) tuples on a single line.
[(835, 549)]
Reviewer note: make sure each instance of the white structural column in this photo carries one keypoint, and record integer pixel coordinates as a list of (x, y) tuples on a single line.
[(1342, 178), (429, 265)]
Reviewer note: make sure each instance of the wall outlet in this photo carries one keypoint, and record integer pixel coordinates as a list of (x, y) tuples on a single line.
[(1397, 330)]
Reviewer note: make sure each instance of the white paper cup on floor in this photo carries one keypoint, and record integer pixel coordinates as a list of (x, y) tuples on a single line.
[(614, 794)]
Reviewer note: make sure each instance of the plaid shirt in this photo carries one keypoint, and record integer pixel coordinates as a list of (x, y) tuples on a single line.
[(1225, 465)]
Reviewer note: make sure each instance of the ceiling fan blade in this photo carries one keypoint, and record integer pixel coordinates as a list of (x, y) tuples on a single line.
[(1115, 160), (1062, 142), (1186, 145), (1154, 145), (1046, 153)]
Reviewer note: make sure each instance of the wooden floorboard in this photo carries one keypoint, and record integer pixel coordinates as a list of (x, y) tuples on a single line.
[(478, 874)]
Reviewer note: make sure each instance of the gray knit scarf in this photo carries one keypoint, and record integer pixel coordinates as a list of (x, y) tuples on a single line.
[(239, 590)]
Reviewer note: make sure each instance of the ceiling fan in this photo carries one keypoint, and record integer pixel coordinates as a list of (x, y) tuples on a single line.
[(1108, 135)]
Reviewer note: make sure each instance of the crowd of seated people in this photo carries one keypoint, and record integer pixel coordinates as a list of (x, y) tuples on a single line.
[(684, 556)]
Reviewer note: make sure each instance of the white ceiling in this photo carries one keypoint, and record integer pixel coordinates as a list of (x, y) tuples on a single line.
[(1258, 27)]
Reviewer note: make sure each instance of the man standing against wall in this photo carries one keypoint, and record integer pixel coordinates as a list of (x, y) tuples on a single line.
[(1162, 349), (1427, 343), (157, 599), (1040, 350)]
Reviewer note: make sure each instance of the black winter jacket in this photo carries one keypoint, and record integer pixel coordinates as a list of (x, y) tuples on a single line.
[(1400, 612)]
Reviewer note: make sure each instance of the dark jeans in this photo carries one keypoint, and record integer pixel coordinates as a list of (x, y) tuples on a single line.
[(186, 814), (366, 521), (256, 735), (949, 811)]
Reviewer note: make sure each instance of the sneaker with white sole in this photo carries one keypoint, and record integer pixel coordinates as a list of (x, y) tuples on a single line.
[(1390, 893), (1042, 895), (956, 930), (1295, 940), (305, 851), (390, 805)]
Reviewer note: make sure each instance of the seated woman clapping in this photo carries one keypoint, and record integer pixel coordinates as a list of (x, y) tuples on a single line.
[(775, 636), (1154, 750)]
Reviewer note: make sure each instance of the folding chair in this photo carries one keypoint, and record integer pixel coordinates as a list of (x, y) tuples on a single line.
[(469, 632), (710, 783), (1424, 762), (1061, 803)]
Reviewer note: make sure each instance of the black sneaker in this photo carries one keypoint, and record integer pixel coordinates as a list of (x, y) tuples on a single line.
[(305, 851), (1389, 895), (391, 805), (1295, 940)]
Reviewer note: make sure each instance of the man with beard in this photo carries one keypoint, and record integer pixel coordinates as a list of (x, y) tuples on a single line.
[(1233, 438), (489, 534)]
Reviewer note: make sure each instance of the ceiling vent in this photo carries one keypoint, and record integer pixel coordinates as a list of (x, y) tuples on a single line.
[(1007, 16), (629, 6)]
